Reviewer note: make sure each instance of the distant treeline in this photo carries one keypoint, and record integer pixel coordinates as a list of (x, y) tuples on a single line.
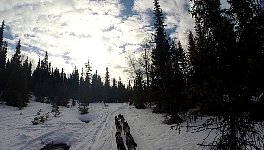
[(18, 81)]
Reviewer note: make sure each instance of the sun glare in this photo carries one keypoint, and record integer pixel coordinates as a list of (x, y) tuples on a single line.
[(91, 48)]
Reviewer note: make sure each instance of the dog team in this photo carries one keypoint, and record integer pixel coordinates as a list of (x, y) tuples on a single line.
[(122, 125)]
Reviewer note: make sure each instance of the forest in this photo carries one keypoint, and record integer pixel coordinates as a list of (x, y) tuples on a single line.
[(219, 74)]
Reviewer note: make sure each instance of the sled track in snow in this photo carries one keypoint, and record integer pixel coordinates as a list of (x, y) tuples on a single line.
[(100, 129), (105, 125)]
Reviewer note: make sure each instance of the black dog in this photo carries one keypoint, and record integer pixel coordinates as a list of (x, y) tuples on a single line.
[(120, 116), (122, 120), (119, 141), (116, 120), (131, 145), (118, 127), (126, 127)]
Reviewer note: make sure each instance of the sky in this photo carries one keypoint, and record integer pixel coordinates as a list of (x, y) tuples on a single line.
[(103, 31)]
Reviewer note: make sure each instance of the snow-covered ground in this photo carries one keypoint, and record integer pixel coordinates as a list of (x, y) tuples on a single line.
[(18, 133)]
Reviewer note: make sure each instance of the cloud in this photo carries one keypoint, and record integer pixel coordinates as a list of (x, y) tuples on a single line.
[(142, 6), (74, 30), (176, 13)]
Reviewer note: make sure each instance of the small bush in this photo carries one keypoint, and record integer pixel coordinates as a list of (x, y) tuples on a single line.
[(84, 110)]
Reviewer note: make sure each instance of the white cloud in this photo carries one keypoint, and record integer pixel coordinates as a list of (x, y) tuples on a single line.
[(176, 13), (74, 30), (143, 5)]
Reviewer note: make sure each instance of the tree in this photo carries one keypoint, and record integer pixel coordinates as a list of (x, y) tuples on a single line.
[(74, 83), (107, 86), (87, 82), (159, 59), (25, 79), (96, 88), (82, 91), (121, 91), (16, 87), (128, 94), (193, 71), (3, 51), (85, 88), (62, 95), (147, 67), (2, 33), (223, 66), (138, 92), (42, 81), (137, 72)]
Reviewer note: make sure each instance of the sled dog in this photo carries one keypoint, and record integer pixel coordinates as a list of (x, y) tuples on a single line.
[(119, 141), (131, 145)]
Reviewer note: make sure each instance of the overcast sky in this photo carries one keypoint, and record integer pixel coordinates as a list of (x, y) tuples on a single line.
[(74, 30)]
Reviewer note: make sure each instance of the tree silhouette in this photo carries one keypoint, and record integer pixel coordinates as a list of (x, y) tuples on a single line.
[(222, 64), (3, 51)]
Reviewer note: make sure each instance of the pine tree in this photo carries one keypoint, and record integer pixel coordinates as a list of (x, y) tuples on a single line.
[(26, 75), (74, 83), (113, 91), (45, 89), (222, 65), (159, 59), (192, 66), (62, 95), (81, 92), (107, 86), (36, 78), (87, 82), (129, 90), (42, 81), (96, 88), (120, 91), (85, 88), (2, 33), (3, 51), (16, 88), (138, 92)]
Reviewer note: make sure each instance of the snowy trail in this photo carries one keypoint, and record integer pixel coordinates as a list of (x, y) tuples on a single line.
[(99, 135), (147, 129)]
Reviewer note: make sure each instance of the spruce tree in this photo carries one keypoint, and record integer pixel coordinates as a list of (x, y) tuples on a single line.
[(25, 77), (129, 90), (159, 59), (138, 92), (41, 82), (2, 33), (36, 78), (87, 82), (107, 86), (15, 86), (94, 87), (223, 62), (81, 92), (3, 51), (74, 83), (97, 88), (62, 88), (192, 66), (113, 92), (120, 91)]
